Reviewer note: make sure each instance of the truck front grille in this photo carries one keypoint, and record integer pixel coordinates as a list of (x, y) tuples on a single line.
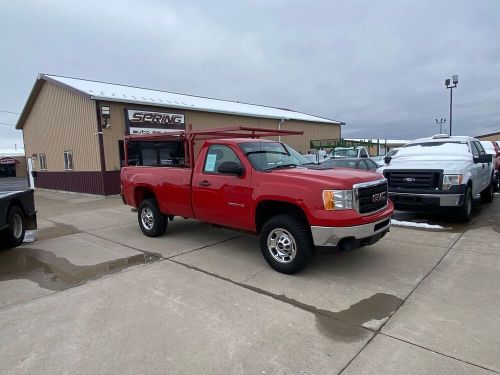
[(413, 179), (372, 197)]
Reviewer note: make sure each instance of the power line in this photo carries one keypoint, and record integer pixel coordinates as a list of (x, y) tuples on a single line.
[(14, 113)]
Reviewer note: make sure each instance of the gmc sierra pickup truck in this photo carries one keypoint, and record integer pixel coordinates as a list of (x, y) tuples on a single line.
[(440, 173), (241, 181)]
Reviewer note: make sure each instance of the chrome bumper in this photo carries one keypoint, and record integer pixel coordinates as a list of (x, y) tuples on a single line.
[(445, 200), (330, 236)]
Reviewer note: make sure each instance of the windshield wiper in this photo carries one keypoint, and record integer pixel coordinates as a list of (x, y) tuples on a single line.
[(282, 166)]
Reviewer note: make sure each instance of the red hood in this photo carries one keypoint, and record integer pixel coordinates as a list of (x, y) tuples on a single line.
[(338, 178)]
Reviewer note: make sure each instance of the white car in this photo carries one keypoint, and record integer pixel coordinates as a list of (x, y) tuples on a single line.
[(348, 152), (440, 172)]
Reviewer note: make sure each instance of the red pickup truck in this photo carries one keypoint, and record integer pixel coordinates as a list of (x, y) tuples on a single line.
[(241, 181)]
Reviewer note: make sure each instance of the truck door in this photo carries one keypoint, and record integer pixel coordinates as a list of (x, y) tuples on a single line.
[(220, 198), (479, 171)]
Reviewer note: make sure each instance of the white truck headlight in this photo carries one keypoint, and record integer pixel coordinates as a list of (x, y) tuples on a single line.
[(451, 179), (337, 199)]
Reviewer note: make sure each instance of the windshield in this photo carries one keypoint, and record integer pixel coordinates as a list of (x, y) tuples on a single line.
[(345, 153), (391, 153), (270, 155), (434, 148)]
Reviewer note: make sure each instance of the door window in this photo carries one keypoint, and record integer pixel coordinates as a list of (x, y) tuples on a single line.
[(362, 164), (218, 154), (475, 151), (479, 148), (371, 164)]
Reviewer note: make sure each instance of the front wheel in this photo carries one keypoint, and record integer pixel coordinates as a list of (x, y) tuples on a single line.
[(286, 244), (465, 211), (151, 221)]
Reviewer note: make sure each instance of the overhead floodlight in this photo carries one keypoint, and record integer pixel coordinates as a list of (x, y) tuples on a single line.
[(455, 79), (447, 82)]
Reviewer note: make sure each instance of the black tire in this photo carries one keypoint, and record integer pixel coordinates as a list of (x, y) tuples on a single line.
[(14, 234), (295, 234), (487, 194), (465, 211), (151, 221)]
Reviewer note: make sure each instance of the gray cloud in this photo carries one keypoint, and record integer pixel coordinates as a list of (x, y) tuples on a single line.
[(379, 66)]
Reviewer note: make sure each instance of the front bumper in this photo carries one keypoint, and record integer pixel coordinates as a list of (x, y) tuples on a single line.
[(401, 200), (366, 233)]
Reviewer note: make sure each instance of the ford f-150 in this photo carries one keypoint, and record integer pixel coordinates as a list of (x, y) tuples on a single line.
[(241, 181), (440, 173)]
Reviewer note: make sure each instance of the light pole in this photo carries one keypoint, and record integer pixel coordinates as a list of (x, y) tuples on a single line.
[(441, 122), (451, 84)]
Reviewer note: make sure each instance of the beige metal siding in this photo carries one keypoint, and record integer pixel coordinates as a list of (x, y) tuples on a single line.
[(207, 120), (492, 137), (61, 120)]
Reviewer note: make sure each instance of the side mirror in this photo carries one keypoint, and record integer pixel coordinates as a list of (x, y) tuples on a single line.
[(482, 159), (231, 167), (387, 159)]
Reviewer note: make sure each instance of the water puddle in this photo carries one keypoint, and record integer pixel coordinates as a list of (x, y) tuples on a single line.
[(378, 307), (52, 272)]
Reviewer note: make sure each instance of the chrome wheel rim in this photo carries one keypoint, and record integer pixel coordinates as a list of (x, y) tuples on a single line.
[(147, 218), (281, 245), (17, 226)]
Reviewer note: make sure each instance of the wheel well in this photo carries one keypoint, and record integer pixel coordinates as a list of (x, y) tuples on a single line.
[(268, 209), (16, 202), (141, 193)]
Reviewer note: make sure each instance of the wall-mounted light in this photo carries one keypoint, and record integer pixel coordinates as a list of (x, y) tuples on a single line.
[(105, 116)]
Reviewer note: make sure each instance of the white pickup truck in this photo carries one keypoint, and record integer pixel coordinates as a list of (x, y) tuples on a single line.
[(440, 172)]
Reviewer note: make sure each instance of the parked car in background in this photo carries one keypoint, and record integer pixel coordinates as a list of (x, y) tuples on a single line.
[(492, 148), (355, 163), (348, 152), (385, 159), (440, 172)]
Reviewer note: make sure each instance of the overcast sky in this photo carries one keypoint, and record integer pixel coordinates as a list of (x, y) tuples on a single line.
[(378, 65)]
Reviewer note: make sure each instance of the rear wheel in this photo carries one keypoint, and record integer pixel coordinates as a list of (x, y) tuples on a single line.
[(151, 221), (286, 244), (465, 211), (15, 232), (487, 194)]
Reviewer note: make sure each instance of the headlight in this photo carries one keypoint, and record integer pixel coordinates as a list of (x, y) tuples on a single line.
[(337, 199), (451, 179)]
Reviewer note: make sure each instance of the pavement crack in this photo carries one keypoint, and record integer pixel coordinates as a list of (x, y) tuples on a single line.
[(279, 297), (439, 353), (204, 247)]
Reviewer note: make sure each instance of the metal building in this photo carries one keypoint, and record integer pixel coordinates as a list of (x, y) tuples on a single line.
[(73, 128)]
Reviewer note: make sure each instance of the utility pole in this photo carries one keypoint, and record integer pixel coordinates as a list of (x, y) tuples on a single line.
[(451, 84), (441, 122)]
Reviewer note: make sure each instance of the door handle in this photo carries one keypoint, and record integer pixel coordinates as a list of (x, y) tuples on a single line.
[(205, 183)]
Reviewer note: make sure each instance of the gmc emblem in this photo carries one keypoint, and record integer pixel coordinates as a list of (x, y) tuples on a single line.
[(378, 197)]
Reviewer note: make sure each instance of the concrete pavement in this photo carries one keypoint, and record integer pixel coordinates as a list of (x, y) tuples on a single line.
[(92, 294)]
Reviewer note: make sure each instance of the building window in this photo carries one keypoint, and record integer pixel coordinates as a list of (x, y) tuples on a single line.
[(68, 160), (42, 161)]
